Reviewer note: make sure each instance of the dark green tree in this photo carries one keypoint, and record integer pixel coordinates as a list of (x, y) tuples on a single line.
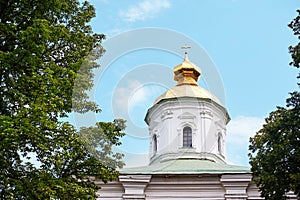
[(275, 149), (44, 47)]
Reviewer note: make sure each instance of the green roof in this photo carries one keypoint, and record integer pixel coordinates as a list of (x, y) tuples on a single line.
[(187, 166)]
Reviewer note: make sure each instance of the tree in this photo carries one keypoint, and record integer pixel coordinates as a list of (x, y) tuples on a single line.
[(44, 47), (275, 149)]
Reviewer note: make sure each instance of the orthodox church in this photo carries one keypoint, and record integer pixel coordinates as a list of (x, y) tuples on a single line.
[(187, 128)]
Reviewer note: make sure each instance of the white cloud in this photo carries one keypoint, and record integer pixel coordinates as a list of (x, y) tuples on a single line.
[(133, 94), (140, 95), (144, 10), (122, 96), (243, 127), (239, 130)]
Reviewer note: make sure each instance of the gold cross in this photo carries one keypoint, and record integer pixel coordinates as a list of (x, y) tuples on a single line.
[(185, 47)]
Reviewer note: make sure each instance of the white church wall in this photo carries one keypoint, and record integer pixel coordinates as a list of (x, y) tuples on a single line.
[(206, 120), (182, 187), (185, 187)]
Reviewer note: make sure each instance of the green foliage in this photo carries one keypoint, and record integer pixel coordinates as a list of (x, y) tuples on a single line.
[(295, 50), (44, 47), (275, 149)]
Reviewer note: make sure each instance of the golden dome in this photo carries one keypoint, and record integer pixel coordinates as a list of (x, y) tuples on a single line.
[(187, 91), (186, 74)]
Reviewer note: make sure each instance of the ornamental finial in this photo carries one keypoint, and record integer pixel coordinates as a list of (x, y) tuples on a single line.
[(185, 47), (186, 73)]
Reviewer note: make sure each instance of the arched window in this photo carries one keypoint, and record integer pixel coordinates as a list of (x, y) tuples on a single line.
[(220, 144), (187, 137), (154, 144)]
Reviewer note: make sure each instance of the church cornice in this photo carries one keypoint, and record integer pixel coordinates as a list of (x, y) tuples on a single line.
[(187, 153), (175, 100)]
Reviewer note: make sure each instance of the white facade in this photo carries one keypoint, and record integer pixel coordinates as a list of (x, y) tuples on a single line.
[(206, 119), (181, 187), (187, 129)]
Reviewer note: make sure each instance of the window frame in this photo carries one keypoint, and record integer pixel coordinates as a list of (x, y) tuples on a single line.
[(154, 145), (187, 137)]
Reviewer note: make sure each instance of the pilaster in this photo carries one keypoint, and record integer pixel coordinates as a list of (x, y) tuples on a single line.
[(236, 185), (134, 186), (206, 117)]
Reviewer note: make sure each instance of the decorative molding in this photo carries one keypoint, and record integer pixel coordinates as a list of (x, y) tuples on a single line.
[(236, 186), (168, 114), (134, 186), (152, 125), (186, 115), (206, 114)]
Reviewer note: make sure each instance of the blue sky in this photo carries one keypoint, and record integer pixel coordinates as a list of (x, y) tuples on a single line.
[(247, 42)]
